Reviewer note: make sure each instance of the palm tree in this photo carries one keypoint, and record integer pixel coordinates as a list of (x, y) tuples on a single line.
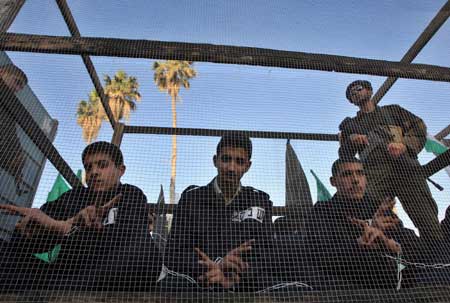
[(170, 76), (90, 115), (123, 94)]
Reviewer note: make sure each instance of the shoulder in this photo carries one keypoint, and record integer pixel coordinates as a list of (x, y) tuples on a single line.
[(345, 123), (394, 108), (133, 193), (128, 188), (71, 201), (259, 194), (193, 193), (322, 206)]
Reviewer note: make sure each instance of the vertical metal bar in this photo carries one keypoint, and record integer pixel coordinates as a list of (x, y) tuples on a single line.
[(118, 134), (71, 24)]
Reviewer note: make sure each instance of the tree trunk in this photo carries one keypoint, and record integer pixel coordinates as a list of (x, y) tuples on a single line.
[(173, 170)]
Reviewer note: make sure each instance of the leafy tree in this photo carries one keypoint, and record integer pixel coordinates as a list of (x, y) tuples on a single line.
[(122, 93), (170, 76)]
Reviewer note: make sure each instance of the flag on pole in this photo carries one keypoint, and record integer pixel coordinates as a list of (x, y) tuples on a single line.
[(322, 192), (432, 145), (59, 187), (298, 194), (160, 231)]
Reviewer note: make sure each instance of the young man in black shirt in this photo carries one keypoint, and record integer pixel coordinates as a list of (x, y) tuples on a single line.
[(102, 230), (221, 233), (347, 243)]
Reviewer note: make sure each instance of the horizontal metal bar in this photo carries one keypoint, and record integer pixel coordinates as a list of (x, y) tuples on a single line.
[(220, 132), (114, 47)]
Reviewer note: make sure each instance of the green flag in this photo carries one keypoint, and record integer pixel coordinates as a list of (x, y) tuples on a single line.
[(59, 187), (322, 192), (434, 146)]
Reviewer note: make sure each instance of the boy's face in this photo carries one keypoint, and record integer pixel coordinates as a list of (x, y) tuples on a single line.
[(350, 181), (231, 163), (101, 172)]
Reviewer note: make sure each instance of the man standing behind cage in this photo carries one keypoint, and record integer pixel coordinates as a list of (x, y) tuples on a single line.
[(221, 231), (388, 139)]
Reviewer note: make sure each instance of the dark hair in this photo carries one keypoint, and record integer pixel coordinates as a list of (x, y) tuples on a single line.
[(236, 140), (337, 164), (104, 147), (363, 83), (12, 69)]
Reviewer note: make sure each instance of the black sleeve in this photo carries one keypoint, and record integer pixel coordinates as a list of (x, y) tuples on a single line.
[(180, 255), (64, 207), (347, 148), (133, 212)]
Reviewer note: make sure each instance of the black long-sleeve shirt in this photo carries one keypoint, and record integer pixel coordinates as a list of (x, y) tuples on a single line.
[(202, 219), (120, 256)]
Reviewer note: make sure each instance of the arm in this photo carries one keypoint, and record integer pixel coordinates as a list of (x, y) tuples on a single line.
[(414, 130), (351, 140), (132, 217)]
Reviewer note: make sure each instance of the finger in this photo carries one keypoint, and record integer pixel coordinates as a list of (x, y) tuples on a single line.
[(85, 218), (212, 273), (246, 246), (233, 266), (360, 222), (22, 224), (203, 256), (392, 220), (13, 209), (235, 263), (372, 238), (92, 215), (111, 203), (387, 204), (215, 280), (208, 264)]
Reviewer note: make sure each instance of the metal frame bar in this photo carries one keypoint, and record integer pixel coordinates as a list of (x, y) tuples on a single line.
[(114, 47), (418, 45), (220, 54), (220, 132), (71, 24), (8, 12)]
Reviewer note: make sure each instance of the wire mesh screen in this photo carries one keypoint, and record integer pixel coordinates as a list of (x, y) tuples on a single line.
[(146, 171)]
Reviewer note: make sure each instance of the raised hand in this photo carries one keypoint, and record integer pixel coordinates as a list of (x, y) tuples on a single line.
[(372, 237), (359, 139), (396, 149), (233, 262), (39, 219), (214, 273), (381, 220), (92, 215)]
